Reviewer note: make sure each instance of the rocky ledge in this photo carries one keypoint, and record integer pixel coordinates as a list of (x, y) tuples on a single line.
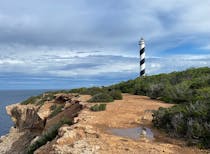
[(26, 117), (33, 121)]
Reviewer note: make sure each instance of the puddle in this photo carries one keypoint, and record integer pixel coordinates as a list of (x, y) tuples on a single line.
[(133, 133)]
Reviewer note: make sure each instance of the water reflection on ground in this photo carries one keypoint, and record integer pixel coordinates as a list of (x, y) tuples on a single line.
[(133, 133)]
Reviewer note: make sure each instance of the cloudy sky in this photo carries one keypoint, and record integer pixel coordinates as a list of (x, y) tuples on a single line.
[(51, 44)]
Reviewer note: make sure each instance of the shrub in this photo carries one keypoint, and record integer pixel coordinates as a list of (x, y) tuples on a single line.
[(39, 100), (101, 97), (88, 91), (115, 94), (98, 107), (30, 100), (190, 121), (203, 94), (179, 93), (175, 87), (155, 90)]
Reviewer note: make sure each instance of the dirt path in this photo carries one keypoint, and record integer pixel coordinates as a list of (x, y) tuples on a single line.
[(91, 135)]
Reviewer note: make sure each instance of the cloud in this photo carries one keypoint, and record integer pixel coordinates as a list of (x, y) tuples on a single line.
[(63, 63), (99, 40), (10, 62), (78, 24), (70, 72)]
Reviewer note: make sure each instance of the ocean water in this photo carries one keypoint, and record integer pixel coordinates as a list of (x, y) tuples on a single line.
[(8, 97)]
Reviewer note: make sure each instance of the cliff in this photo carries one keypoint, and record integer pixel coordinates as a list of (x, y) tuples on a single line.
[(33, 121), (25, 117)]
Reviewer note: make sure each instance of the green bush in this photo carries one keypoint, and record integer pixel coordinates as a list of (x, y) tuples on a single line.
[(175, 87), (88, 91), (115, 94), (98, 107), (95, 91), (190, 121), (31, 100), (40, 99), (48, 136), (203, 94), (101, 97)]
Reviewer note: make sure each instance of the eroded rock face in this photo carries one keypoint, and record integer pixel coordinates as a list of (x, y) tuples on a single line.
[(63, 98), (15, 142), (75, 139), (31, 122), (25, 117)]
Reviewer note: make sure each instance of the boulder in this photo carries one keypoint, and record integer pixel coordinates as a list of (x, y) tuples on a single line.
[(25, 117), (63, 98)]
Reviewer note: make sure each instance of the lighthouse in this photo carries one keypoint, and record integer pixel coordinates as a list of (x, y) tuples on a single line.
[(142, 57)]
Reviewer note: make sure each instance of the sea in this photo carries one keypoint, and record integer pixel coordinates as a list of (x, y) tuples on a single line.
[(8, 97)]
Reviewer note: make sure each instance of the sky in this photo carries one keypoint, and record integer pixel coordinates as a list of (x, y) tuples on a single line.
[(51, 44)]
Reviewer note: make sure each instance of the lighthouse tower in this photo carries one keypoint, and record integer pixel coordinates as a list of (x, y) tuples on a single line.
[(142, 57)]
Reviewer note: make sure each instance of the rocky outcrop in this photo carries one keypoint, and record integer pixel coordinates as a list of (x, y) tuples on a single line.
[(32, 121), (65, 98), (34, 117), (75, 139), (25, 117), (16, 142)]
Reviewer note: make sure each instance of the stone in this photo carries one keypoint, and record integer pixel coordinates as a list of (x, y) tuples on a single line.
[(143, 132), (63, 98), (25, 117)]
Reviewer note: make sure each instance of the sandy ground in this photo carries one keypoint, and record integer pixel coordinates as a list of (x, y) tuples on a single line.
[(130, 112)]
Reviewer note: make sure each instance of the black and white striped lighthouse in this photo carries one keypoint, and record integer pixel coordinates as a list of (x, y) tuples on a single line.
[(142, 57)]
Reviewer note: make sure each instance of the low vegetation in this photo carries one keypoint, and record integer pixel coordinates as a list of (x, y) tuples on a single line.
[(190, 121), (176, 87), (89, 91), (100, 94), (39, 100), (48, 136), (55, 110), (98, 107), (115, 94), (101, 97)]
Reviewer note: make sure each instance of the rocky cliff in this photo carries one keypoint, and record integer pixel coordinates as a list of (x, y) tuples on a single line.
[(26, 117), (33, 121)]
